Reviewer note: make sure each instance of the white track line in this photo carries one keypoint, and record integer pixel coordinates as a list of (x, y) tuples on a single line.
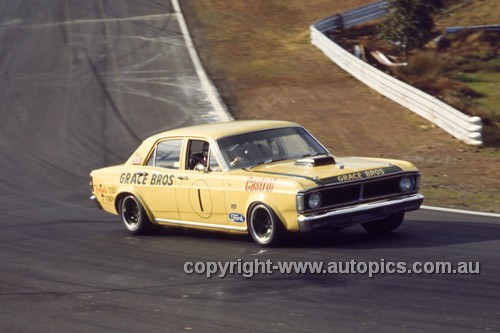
[(460, 211), (208, 86)]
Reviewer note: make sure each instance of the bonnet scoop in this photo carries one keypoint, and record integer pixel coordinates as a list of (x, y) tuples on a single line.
[(313, 161)]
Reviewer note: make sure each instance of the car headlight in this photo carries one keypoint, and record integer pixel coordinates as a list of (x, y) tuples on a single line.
[(406, 184), (314, 200)]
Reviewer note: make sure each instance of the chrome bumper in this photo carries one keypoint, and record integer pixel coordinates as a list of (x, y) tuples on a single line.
[(97, 203), (360, 213)]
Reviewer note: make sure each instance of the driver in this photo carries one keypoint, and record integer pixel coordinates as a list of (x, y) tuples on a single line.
[(201, 159)]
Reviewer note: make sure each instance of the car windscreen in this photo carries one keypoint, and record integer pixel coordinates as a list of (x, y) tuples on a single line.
[(250, 149)]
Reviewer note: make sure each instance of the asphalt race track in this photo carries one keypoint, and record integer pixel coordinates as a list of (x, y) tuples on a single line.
[(82, 83)]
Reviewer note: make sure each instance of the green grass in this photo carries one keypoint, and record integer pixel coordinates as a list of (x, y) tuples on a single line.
[(470, 12), (487, 84), (451, 197)]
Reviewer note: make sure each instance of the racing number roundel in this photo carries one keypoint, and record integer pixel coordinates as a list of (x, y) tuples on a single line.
[(200, 199)]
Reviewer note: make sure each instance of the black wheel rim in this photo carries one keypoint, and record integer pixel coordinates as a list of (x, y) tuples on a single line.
[(262, 224), (131, 213)]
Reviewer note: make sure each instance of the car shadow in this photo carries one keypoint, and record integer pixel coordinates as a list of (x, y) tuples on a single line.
[(412, 234)]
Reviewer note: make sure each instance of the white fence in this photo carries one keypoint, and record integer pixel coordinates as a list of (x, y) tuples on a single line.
[(458, 124)]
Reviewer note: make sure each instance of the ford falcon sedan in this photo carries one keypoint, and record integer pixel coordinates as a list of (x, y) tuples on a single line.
[(265, 178)]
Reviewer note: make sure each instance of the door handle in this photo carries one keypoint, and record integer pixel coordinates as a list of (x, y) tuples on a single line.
[(182, 177)]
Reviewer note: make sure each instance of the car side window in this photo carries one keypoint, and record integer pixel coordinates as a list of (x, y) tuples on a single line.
[(151, 160), (197, 154), (168, 154), (213, 165)]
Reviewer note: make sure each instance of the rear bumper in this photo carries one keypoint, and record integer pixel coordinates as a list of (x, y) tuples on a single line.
[(97, 203), (360, 213)]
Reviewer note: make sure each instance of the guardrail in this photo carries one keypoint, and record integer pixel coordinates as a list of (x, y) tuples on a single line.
[(463, 127), (452, 30)]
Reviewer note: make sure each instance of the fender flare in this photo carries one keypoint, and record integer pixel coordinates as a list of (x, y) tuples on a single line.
[(130, 191)]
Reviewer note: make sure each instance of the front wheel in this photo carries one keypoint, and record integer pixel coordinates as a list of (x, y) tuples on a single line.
[(264, 226), (386, 225), (134, 217)]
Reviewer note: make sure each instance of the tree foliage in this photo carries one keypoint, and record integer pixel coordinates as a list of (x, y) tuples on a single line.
[(409, 22)]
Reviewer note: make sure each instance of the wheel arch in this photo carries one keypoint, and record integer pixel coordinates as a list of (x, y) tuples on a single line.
[(268, 203), (124, 194)]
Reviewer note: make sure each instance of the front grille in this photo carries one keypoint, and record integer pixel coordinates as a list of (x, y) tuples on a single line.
[(362, 191), (381, 188), (340, 195)]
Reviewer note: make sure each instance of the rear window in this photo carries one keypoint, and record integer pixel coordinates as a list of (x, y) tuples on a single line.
[(167, 154)]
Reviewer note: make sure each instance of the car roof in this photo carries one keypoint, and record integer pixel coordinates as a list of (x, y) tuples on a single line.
[(219, 130)]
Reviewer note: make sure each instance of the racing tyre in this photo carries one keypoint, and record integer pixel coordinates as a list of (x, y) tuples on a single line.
[(386, 225), (134, 217), (264, 226)]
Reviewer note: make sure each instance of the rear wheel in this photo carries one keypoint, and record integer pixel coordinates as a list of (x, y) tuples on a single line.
[(134, 217), (386, 225), (264, 226)]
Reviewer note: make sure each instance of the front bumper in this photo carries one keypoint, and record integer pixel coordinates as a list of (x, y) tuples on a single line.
[(360, 213)]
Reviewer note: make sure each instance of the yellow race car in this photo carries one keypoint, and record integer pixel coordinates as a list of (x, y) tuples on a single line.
[(265, 178)]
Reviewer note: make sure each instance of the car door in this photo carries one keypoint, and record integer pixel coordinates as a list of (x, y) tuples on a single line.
[(160, 179), (200, 187)]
